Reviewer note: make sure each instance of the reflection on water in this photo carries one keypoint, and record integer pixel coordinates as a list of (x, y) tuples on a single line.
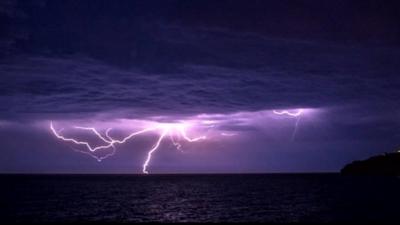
[(169, 198)]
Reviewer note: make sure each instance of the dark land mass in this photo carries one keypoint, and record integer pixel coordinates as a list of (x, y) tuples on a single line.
[(387, 164)]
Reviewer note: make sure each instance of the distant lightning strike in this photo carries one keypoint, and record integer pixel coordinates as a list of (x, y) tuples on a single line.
[(177, 132), (153, 149), (227, 134), (297, 114), (288, 113), (167, 130)]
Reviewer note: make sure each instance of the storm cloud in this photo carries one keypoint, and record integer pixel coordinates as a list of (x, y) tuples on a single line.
[(131, 60), (239, 73)]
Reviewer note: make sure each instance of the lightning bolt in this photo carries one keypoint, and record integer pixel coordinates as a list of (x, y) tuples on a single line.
[(177, 133), (296, 115), (227, 134), (153, 149), (109, 142), (287, 112)]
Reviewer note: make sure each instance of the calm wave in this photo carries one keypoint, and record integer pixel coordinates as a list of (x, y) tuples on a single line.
[(208, 198)]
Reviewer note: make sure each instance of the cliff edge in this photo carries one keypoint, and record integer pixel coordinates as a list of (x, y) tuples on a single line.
[(386, 164)]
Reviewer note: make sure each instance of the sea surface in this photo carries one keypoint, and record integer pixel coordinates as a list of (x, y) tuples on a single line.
[(199, 198)]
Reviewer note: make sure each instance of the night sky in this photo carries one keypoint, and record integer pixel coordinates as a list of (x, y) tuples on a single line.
[(224, 66)]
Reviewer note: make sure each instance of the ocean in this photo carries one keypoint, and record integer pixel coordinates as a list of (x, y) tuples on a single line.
[(199, 198)]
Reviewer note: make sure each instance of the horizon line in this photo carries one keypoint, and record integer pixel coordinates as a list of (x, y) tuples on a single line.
[(183, 173)]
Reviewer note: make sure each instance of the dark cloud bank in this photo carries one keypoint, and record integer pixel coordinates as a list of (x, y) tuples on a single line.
[(138, 59)]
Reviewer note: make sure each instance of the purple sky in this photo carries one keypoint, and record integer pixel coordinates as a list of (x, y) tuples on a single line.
[(127, 64)]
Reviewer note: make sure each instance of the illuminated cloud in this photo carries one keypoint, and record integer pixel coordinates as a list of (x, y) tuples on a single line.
[(224, 79), (211, 125)]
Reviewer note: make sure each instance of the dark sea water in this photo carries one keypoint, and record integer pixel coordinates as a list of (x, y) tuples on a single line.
[(208, 198)]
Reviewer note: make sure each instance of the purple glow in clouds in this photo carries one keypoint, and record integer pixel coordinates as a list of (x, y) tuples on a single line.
[(211, 126)]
